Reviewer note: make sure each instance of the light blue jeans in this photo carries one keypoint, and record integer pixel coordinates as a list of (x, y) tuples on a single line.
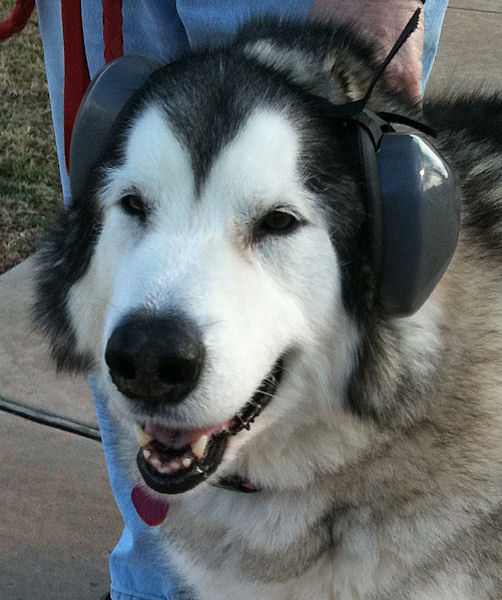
[(163, 29)]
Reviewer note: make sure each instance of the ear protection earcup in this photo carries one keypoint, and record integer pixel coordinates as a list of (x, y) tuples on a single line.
[(414, 202), (108, 93)]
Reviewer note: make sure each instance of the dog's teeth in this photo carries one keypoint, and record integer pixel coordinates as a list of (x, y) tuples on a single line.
[(186, 462), (146, 453), (175, 465), (142, 437), (199, 446)]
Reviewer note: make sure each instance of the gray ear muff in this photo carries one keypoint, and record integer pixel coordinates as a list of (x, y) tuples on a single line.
[(107, 94), (420, 220), (414, 203)]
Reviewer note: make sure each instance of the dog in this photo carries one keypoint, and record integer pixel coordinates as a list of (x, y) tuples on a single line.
[(216, 278)]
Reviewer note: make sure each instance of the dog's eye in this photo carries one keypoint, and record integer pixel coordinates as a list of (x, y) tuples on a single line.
[(133, 205), (277, 222)]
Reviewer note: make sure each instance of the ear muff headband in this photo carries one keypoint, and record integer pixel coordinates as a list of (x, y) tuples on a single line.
[(107, 94), (414, 203)]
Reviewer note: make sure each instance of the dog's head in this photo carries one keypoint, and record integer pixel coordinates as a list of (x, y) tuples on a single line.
[(216, 270)]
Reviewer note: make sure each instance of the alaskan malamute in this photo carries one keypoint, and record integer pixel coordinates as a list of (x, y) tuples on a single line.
[(217, 279)]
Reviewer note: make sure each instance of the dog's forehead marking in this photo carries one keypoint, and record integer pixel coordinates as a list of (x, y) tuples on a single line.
[(260, 163)]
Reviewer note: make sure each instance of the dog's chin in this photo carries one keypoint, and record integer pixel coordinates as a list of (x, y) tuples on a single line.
[(173, 461)]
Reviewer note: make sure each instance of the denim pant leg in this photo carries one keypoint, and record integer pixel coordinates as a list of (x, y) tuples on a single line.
[(434, 12), (154, 28), (210, 23), (137, 568)]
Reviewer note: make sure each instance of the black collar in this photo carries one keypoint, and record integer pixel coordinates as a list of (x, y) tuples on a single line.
[(235, 483)]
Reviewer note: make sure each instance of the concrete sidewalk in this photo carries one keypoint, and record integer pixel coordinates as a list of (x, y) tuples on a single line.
[(58, 517)]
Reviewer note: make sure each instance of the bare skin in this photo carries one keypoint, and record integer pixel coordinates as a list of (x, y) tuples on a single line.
[(383, 21)]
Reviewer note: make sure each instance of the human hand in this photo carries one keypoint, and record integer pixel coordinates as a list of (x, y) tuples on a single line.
[(381, 21)]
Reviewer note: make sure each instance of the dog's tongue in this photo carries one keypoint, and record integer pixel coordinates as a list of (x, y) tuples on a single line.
[(152, 511)]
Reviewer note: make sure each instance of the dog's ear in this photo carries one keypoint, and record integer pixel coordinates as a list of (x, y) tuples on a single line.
[(348, 81), (333, 62)]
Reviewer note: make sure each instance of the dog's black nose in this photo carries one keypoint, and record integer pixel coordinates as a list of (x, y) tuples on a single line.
[(155, 359)]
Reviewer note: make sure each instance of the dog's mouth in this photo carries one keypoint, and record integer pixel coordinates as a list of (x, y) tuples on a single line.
[(173, 461)]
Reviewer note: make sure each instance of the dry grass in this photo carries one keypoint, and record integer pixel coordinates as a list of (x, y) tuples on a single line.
[(29, 179)]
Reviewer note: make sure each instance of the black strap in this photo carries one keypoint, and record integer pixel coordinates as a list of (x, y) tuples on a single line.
[(374, 125), (405, 34), (393, 118)]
